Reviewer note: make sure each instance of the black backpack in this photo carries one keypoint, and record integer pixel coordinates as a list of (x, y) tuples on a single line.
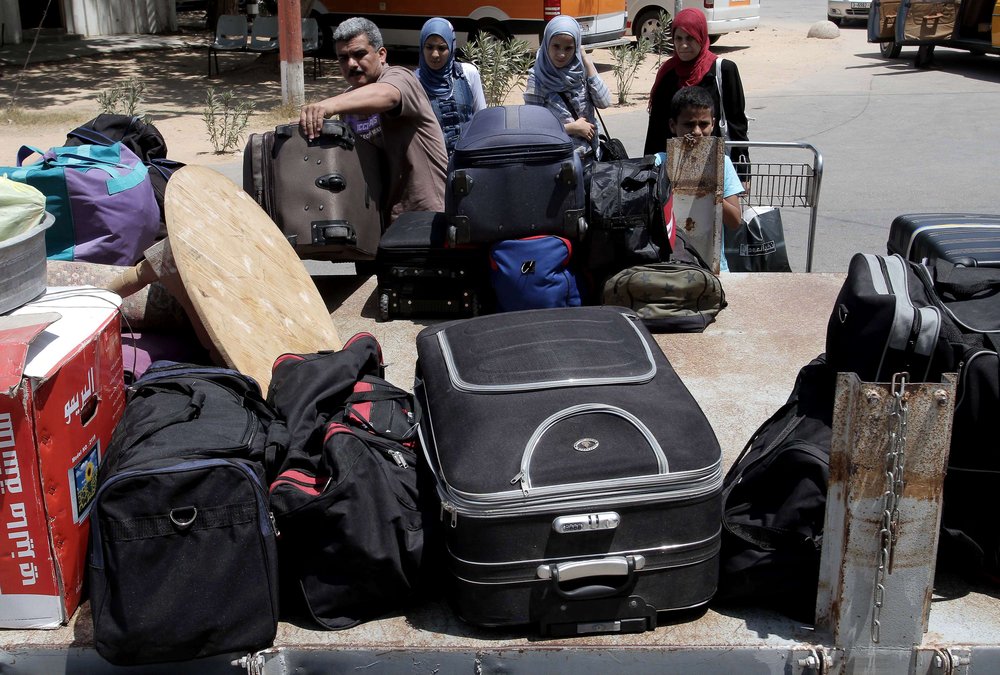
[(138, 135), (775, 502), (345, 494), (893, 315), (183, 562)]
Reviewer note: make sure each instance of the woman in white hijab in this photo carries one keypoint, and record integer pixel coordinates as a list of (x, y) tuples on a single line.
[(565, 81)]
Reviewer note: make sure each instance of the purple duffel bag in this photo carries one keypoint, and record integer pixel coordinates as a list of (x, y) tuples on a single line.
[(102, 199)]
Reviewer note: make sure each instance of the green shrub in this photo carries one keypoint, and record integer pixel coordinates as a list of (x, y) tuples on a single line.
[(662, 41), (123, 98), (625, 61), (503, 65), (226, 118)]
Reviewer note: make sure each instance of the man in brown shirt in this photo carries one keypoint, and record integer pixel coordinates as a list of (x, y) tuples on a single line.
[(387, 107)]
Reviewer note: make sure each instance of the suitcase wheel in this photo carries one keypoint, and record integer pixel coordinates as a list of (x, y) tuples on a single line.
[(383, 306)]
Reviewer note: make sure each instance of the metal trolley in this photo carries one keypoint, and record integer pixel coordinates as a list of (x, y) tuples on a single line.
[(777, 182)]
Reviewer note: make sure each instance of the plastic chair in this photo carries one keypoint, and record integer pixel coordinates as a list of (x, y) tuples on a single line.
[(311, 44), (230, 36), (264, 35)]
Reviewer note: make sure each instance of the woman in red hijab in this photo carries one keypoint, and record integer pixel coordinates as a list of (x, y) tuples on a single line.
[(694, 64)]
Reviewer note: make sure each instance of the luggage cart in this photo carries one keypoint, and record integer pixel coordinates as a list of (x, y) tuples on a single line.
[(777, 182)]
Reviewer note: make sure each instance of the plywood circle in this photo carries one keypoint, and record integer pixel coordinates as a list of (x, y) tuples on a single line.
[(245, 281)]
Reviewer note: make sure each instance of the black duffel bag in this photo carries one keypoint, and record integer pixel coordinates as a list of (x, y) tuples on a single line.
[(345, 495), (629, 216), (775, 502), (183, 562), (893, 315)]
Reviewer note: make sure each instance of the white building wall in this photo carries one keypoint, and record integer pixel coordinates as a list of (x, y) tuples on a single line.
[(117, 17), (10, 17)]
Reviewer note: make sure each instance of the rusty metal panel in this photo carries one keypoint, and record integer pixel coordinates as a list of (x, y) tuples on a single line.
[(876, 579), (695, 168)]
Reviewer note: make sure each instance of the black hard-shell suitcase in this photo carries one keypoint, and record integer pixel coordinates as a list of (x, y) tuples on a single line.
[(579, 480), (319, 192), (514, 174), (966, 239), (419, 276)]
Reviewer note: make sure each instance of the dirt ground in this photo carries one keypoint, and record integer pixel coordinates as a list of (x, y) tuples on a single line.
[(50, 99)]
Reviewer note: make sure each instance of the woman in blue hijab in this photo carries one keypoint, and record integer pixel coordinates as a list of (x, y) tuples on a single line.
[(565, 81), (454, 89)]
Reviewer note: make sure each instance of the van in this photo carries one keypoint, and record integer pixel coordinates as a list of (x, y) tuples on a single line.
[(400, 21), (971, 25), (723, 16)]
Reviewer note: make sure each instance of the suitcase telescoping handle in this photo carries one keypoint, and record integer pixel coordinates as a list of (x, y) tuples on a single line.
[(600, 570), (333, 131)]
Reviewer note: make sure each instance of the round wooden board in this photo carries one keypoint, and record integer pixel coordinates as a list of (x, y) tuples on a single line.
[(247, 285)]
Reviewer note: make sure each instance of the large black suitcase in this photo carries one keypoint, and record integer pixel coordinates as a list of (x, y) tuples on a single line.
[(514, 174), (578, 479), (966, 239), (320, 193), (419, 277)]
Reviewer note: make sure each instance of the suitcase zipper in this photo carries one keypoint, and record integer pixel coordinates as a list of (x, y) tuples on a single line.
[(463, 385), (513, 154), (586, 496), (924, 322), (265, 516), (524, 479)]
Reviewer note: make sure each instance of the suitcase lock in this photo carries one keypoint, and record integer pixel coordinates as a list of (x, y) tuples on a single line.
[(334, 182)]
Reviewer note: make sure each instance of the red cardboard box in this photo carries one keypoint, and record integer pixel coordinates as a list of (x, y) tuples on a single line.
[(61, 395)]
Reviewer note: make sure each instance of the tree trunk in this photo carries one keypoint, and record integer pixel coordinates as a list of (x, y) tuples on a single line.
[(217, 8)]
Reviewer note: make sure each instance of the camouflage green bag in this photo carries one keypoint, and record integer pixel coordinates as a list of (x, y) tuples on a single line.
[(669, 297)]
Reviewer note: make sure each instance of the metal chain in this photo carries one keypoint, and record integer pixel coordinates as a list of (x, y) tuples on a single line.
[(895, 464)]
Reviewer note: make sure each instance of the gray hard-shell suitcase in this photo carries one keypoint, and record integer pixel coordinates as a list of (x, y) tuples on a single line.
[(322, 196), (579, 481), (514, 174), (968, 239)]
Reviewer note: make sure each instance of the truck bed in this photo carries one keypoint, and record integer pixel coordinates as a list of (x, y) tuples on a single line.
[(740, 369)]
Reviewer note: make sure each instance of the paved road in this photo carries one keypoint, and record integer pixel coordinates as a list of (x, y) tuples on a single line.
[(894, 139)]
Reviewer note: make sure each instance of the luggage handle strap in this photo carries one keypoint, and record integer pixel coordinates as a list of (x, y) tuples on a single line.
[(126, 178), (964, 282), (604, 569)]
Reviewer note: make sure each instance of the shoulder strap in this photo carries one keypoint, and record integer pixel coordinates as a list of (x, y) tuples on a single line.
[(722, 103), (569, 104)]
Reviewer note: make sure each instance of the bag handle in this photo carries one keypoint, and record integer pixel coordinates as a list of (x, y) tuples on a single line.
[(91, 136), (27, 151), (964, 282), (129, 178)]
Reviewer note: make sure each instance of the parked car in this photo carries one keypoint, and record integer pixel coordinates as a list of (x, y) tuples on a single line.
[(839, 11), (723, 16)]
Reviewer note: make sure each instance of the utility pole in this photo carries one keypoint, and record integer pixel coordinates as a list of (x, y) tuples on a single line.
[(293, 89)]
